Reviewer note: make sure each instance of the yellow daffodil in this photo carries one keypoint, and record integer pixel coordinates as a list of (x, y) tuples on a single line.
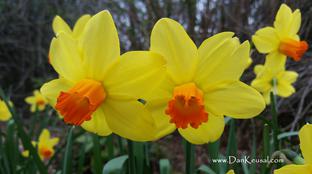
[(45, 145), (202, 84), (59, 25), (98, 88), (230, 172), (281, 40), (268, 76), (5, 114), (305, 136), (36, 101)]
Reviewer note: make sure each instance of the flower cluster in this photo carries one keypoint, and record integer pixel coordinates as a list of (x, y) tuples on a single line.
[(278, 42)]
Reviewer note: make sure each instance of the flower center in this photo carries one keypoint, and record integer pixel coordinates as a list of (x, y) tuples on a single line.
[(293, 48), (78, 103), (40, 102), (187, 106), (45, 152)]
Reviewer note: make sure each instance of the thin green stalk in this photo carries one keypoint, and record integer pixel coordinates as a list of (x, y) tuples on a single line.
[(189, 158), (97, 159), (274, 122), (231, 149), (121, 147), (266, 147), (110, 146), (67, 163), (131, 160)]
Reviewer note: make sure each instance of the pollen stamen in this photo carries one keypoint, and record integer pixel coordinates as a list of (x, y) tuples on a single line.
[(292, 48), (187, 107)]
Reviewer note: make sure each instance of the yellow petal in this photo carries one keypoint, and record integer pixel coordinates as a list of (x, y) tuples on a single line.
[(157, 108), (295, 23), (305, 135), (234, 99), (289, 76), (52, 89), (97, 124), (294, 169), (25, 153), (258, 69), (59, 25), (30, 100), (129, 119), (261, 85), (53, 141), (80, 25), (206, 132), (4, 111), (65, 57), (285, 89), (137, 73), (275, 61), (230, 172), (211, 44), (286, 23), (100, 44), (266, 40), (170, 40), (227, 62), (44, 136)]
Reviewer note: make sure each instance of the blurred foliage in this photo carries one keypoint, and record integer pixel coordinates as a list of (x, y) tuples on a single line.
[(26, 32)]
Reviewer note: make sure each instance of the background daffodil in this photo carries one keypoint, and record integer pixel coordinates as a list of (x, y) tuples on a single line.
[(305, 136), (281, 40), (59, 25), (45, 145), (278, 81), (5, 114), (202, 85), (98, 88), (36, 101)]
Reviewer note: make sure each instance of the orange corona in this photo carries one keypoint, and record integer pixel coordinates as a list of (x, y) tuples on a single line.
[(187, 106), (78, 103), (293, 48), (46, 153)]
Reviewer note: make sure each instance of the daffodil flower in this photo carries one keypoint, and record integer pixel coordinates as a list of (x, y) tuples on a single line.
[(45, 145), (202, 85), (98, 88), (281, 40), (274, 80), (305, 136), (5, 114), (59, 25), (36, 101)]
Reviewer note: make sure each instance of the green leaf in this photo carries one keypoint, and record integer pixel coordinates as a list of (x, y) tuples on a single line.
[(115, 166), (287, 134), (164, 166), (67, 160), (205, 169), (213, 150)]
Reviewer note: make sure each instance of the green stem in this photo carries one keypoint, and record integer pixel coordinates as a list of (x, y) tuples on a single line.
[(67, 163), (190, 158), (274, 122), (131, 158), (266, 148), (110, 146)]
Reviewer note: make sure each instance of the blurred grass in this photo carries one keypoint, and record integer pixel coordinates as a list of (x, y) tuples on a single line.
[(26, 31)]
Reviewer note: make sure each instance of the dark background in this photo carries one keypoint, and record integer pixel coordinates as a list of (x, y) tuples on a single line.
[(26, 32)]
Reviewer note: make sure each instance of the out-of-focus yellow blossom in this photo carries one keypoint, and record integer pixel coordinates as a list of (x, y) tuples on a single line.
[(45, 145), (98, 88), (230, 172), (202, 84), (5, 114), (281, 40), (305, 136), (268, 76), (59, 25), (36, 101)]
